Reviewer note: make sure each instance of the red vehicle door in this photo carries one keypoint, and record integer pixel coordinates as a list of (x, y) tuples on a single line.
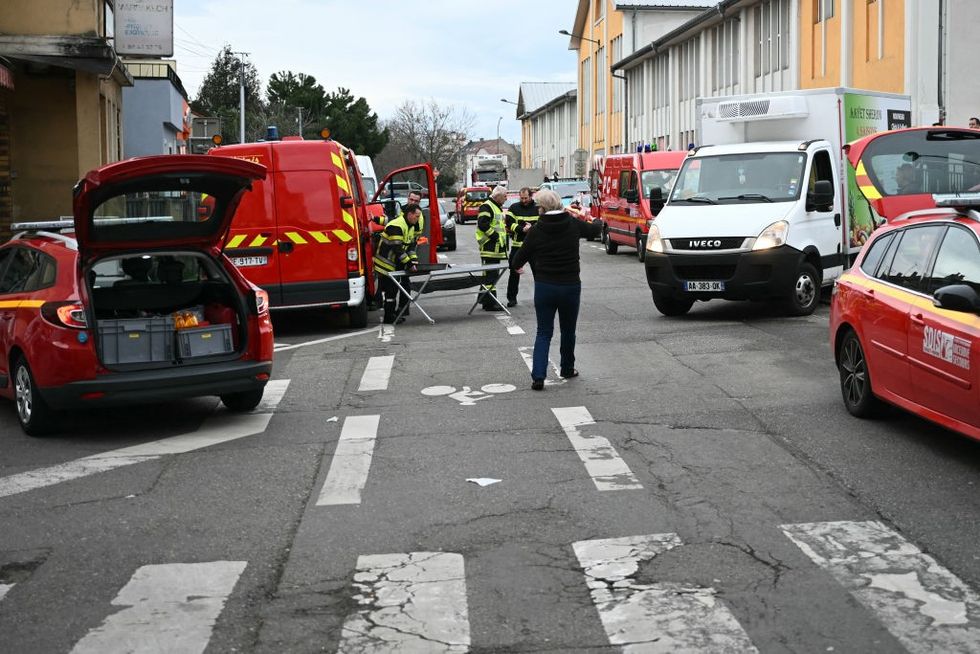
[(943, 345), (393, 190)]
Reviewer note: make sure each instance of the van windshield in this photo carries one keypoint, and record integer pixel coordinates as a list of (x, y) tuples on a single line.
[(744, 177), (477, 196)]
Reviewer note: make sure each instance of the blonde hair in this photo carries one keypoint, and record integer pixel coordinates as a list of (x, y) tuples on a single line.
[(547, 200)]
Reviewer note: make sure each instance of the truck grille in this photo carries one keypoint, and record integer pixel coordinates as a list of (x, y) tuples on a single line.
[(706, 244), (719, 273)]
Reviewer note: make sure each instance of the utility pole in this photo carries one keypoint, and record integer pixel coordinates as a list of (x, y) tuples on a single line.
[(300, 121), (241, 97)]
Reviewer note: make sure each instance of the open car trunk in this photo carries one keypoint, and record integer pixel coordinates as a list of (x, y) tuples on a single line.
[(156, 309)]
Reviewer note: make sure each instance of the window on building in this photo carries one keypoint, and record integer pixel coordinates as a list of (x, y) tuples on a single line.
[(601, 73), (824, 10), (661, 81), (772, 36), (689, 72), (875, 24), (725, 47), (598, 10), (586, 87), (109, 30), (617, 54)]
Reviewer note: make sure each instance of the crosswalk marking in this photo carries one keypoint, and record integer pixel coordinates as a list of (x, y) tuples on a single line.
[(512, 327), (414, 602), (220, 427), (169, 608), (4, 589), (377, 373), (608, 470), (351, 462), (527, 353), (925, 606), (661, 617)]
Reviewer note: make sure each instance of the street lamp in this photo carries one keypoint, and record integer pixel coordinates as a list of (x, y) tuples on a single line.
[(579, 36), (498, 133), (626, 109), (508, 101)]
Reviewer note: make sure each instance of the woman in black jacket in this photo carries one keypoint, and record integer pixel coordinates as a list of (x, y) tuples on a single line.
[(551, 247)]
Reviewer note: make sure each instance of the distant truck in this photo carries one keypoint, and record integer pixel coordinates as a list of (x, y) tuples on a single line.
[(770, 210), (518, 178), (485, 170)]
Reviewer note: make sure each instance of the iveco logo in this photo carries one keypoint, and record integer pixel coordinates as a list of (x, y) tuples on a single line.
[(704, 244)]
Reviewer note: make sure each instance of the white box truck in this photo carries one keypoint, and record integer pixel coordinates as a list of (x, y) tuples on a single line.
[(769, 210)]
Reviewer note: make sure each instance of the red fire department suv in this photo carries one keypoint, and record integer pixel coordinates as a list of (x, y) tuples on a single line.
[(905, 320), (134, 302)]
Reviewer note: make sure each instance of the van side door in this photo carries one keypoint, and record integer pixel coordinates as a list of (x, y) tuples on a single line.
[(821, 224), (394, 188)]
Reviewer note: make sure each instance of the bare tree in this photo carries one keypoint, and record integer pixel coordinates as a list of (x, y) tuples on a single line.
[(425, 131)]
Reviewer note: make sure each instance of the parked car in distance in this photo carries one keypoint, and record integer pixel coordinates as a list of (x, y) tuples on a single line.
[(905, 320), (447, 214), (132, 302), (468, 202), (570, 190)]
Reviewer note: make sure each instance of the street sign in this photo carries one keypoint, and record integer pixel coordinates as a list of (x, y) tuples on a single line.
[(144, 27)]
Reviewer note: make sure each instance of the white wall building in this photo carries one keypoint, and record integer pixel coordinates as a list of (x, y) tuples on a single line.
[(548, 112)]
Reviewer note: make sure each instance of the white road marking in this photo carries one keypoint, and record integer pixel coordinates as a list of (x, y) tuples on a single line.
[(414, 602), (377, 373), (4, 589), (169, 608), (323, 340), (512, 327), (662, 617), (386, 333), (527, 353), (442, 258), (220, 427), (351, 462), (925, 606), (608, 471)]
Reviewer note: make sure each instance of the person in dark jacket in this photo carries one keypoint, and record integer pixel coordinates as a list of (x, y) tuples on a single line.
[(551, 248), (518, 219)]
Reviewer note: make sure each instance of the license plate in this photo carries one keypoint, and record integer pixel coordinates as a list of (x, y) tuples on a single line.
[(245, 262), (704, 286)]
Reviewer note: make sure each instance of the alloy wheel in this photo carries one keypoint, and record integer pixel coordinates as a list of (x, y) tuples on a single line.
[(23, 393), (853, 371)]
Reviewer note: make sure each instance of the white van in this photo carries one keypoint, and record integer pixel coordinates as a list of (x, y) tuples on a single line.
[(769, 211), (369, 179)]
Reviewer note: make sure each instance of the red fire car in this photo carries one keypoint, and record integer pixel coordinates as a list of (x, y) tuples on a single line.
[(134, 301), (905, 320)]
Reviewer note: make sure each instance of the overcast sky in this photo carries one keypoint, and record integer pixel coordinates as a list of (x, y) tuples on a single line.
[(458, 52)]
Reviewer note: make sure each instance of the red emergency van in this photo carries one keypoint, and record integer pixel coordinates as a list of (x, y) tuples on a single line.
[(303, 233), (624, 195)]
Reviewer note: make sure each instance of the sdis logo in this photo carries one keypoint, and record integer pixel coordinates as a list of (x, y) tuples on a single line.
[(947, 347)]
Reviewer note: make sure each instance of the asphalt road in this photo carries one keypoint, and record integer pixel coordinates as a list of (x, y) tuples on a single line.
[(700, 486)]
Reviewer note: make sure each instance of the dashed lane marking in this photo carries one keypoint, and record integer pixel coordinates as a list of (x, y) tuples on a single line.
[(661, 617), (377, 373), (4, 589), (512, 327), (220, 427), (527, 353), (168, 608), (351, 462), (922, 604), (414, 602), (608, 470)]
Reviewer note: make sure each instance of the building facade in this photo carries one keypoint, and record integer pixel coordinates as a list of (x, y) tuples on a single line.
[(61, 108), (157, 116), (548, 112)]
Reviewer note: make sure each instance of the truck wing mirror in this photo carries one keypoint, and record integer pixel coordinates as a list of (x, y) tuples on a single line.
[(631, 196), (656, 200), (957, 297), (821, 198)]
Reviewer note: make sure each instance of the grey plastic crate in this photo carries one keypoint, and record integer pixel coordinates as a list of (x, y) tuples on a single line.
[(136, 340), (204, 341)]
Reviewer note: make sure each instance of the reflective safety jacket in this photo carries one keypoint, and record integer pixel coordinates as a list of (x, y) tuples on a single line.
[(396, 248), (517, 216), (491, 232)]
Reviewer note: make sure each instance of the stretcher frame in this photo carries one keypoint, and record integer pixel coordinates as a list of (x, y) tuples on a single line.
[(474, 272)]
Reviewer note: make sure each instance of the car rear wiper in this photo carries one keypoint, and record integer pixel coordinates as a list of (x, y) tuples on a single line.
[(697, 198), (748, 196)]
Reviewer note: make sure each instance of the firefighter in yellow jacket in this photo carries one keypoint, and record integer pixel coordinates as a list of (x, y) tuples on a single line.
[(396, 251), (491, 237)]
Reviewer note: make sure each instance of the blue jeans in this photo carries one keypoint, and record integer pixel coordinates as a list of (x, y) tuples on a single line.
[(548, 299)]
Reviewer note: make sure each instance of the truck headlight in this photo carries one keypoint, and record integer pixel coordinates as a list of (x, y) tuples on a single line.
[(654, 242), (772, 236)]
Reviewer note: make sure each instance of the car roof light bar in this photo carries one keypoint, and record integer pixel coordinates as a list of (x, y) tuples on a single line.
[(68, 223), (961, 201)]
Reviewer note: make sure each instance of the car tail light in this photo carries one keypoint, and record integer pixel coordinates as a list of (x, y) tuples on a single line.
[(65, 314), (353, 264), (261, 302)]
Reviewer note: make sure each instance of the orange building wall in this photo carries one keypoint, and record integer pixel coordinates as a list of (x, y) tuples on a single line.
[(869, 72), (604, 31), (812, 74)]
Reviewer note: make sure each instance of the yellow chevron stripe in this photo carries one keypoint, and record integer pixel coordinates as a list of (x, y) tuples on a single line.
[(257, 241), (342, 235), (237, 240), (342, 183), (21, 304), (349, 219), (296, 238), (871, 192), (860, 170), (337, 161), (320, 237)]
